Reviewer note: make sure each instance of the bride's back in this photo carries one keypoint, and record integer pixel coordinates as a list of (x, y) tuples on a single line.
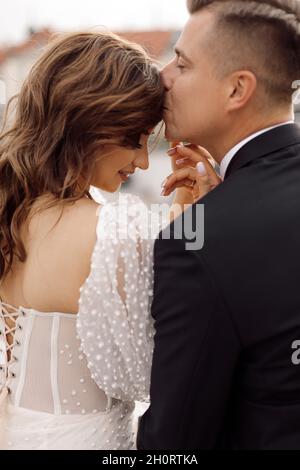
[(58, 259)]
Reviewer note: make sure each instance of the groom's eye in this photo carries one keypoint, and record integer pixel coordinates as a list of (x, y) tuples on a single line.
[(180, 66)]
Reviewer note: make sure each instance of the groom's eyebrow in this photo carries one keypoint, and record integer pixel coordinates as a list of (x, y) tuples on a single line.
[(180, 53)]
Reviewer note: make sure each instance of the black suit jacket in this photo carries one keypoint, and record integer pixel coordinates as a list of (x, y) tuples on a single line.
[(226, 316)]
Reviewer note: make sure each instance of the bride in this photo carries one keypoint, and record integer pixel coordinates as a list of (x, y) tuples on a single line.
[(75, 289)]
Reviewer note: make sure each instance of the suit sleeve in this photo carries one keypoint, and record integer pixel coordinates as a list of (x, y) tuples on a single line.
[(196, 347)]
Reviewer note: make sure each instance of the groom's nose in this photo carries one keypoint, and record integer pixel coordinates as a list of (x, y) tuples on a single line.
[(167, 76)]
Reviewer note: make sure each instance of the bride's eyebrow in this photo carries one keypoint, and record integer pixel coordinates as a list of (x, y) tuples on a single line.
[(181, 54)]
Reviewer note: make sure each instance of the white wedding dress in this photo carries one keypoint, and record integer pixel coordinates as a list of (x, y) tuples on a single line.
[(71, 381)]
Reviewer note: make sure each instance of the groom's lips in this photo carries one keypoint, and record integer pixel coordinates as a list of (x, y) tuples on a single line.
[(166, 110)]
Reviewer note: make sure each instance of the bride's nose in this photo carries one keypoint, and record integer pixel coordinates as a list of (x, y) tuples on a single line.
[(142, 161)]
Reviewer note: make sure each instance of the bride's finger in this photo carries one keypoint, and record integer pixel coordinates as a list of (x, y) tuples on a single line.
[(200, 151), (204, 153), (187, 178), (180, 175), (174, 144), (184, 184), (197, 156), (198, 181)]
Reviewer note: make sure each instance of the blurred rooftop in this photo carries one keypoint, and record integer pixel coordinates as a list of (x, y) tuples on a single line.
[(35, 39), (156, 42), (17, 60)]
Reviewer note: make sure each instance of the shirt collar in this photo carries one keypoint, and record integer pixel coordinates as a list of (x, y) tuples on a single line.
[(230, 155)]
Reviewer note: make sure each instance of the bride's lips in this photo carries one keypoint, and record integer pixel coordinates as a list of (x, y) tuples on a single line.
[(125, 175)]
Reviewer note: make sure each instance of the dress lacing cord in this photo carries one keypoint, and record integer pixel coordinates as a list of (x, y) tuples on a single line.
[(10, 328)]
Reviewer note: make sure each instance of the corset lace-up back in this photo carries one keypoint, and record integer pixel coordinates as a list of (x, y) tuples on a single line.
[(42, 352), (8, 327)]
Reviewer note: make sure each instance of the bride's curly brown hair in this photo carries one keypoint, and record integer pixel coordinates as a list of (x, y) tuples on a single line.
[(86, 90)]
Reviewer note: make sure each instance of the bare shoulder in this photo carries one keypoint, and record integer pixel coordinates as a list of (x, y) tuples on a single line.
[(74, 223), (63, 241), (78, 232), (83, 217)]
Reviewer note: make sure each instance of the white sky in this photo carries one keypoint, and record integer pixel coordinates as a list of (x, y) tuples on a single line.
[(17, 15)]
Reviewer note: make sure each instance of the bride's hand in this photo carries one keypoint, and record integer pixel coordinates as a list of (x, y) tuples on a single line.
[(194, 175)]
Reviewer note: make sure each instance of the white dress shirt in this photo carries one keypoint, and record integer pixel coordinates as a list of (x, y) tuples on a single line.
[(231, 154)]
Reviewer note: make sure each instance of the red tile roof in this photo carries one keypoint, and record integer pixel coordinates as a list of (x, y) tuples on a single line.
[(36, 39), (155, 42)]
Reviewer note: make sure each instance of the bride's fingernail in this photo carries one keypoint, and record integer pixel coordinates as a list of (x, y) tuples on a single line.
[(201, 169), (163, 184), (181, 160), (172, 151)]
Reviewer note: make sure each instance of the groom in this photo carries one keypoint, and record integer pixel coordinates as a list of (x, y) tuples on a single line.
[(225, 368)]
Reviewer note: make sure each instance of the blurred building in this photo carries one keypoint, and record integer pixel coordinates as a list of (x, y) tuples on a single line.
[(16, 61)]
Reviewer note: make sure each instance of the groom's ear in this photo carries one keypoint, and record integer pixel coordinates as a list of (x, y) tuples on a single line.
[(242, 87)]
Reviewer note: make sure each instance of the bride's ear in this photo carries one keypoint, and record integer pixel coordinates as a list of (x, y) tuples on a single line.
[(242, 86)]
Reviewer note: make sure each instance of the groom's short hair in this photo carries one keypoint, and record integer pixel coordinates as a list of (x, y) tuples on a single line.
[(262, 36)]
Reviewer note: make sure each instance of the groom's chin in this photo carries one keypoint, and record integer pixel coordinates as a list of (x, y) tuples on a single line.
[(170, 134)]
